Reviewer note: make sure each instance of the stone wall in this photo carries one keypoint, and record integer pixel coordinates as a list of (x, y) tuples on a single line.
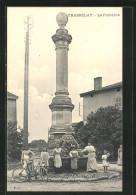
[(66, 163)]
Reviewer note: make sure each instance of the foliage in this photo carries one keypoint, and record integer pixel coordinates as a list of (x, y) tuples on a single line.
[(103, 130), (38, 143), (15, 140)]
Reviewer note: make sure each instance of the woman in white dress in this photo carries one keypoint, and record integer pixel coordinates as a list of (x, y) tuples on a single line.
[(57, 158), (91, 162), (25, 156), (44, 159), (119, 162), (74, 158)]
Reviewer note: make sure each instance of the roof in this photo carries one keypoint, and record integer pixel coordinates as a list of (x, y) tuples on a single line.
[(11, 96), (103, 89)]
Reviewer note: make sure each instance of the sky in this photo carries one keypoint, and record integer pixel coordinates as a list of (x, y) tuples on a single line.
[(95, 50)]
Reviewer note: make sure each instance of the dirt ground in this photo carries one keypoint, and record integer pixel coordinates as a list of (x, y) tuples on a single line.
[(105, 185), (114, 184)]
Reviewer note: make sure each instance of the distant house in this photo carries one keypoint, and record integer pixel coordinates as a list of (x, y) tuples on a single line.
[(110, 95), (11, 107)]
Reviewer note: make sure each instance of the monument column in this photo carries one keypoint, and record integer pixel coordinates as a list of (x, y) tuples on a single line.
[(61, 105), (62, 40)]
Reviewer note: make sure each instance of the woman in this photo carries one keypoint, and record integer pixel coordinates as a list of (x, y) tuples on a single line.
[(44, 159), (74, 158), (119, 162), (57, 158), (25, 156), (91, 162)]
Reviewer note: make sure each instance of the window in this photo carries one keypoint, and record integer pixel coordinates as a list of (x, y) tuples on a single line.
[(118, 102)]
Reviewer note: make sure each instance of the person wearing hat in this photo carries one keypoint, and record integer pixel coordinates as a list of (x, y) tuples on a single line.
[(74, 158), (91, 161)]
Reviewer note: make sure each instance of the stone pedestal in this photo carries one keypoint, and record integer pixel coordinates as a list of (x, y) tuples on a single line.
[(61, 105)]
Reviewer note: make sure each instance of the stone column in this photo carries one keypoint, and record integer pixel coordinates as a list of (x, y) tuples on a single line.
[(62, 40), (61, 105)]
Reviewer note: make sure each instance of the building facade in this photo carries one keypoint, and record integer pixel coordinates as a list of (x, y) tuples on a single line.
[(11, 107), (110, 95)]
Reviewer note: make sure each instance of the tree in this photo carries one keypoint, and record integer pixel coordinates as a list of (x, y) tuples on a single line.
[(15, 140), (38, 144), (103, 130)]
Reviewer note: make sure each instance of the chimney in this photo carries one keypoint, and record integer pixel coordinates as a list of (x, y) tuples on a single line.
[(97, 83)]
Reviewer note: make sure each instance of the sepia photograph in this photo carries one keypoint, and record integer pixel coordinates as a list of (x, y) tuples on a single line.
[(64, 99)]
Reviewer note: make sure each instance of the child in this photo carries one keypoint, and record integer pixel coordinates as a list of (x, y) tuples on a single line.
[(30, 166), (24, 157), (105, 160)]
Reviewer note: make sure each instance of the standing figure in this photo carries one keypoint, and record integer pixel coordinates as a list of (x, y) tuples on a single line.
[(44, 159), (105, 160), (57, 158), (74, 158), (91, 162), (30, 166), (25, 156), (119, 162)]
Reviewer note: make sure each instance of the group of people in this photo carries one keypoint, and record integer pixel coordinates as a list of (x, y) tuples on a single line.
[(27, 158), (28, 155), (91, 162)]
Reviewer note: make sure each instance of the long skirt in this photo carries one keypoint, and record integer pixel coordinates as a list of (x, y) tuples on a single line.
[(119, 162), (57, 161), (91, 162), (30, 167), (74, 163)]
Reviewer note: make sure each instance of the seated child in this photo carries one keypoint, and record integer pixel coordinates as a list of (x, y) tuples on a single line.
[(105, 160)]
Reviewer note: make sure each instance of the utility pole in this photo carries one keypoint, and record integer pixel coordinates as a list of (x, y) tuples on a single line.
[(48, 133), (28, 26)]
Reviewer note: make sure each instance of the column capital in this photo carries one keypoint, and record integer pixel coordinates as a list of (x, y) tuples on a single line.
[(62, 39), (61, 103)]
